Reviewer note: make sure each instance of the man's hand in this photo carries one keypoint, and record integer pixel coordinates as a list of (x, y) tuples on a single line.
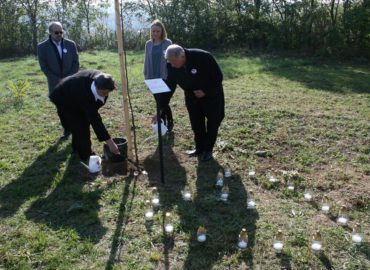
[(199, 93), (112, 146), (154, 119)]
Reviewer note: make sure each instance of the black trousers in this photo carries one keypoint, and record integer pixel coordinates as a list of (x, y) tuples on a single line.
[(206, 115), (163, 100), (78, 124)]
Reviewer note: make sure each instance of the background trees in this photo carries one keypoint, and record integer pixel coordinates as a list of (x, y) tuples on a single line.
[(335, 27)]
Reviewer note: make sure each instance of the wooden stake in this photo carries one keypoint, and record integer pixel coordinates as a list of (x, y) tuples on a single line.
[(121, 53)]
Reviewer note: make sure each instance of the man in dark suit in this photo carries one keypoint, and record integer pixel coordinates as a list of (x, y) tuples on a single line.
[(58, 58), (78, 99), (198, 74)]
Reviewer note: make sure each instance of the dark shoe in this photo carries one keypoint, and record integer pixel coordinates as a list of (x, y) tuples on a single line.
[(193, 153), (65, 135), (206, 156), (170, 126)]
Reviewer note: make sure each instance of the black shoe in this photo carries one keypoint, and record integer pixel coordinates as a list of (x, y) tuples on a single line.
[(194, 153), (170, 126), (206, 156), (65, 135)]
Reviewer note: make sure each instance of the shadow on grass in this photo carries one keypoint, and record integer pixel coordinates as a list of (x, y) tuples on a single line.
[(170, 193), (69, 206), (365, 249), (223, 220), (124, 211), (314, 74), (285, 260), (325, 261), (34, 181)]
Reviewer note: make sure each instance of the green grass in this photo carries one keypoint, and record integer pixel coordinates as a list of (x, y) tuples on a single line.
[(311, 115)]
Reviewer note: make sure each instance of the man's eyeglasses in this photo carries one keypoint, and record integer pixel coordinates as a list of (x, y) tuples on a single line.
[(58, 32)]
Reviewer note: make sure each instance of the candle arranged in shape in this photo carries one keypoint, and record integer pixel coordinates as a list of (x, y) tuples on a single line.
[(220, 179), (251, 173), (186, 194), (325, 206), (278, 243), (357, 234), (168, 226), (148, 211), (227, 171), (155, 197), (201, 234), (251, 204), (342, 219), (272, 178), (224, 193), (243, 239), (308, 196), (290, 185), (316, 242)]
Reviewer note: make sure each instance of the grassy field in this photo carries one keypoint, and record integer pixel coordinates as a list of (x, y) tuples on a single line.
[(310, 116)]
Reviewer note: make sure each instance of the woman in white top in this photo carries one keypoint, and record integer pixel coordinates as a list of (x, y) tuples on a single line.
[(155, 66)]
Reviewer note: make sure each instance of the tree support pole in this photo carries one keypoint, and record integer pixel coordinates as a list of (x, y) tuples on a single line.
[(121, 53)]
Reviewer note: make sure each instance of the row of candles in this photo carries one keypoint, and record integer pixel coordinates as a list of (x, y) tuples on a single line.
[(242, 243)]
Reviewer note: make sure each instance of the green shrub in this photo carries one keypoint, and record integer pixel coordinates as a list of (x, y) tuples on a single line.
[(18, 90)]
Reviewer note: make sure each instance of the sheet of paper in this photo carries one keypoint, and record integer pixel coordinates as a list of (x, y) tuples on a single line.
[(157, 86)]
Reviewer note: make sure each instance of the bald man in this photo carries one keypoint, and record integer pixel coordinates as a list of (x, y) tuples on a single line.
[(58, 58), (198, 74)]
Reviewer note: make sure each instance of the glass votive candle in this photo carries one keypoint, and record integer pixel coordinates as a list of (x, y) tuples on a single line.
[(278, 243), (148, 211), (357, 234), (308, 195), (220, 179), (168, 226), (251, 204), (342, 219), (251, 173), (325, 206), (224, 194), (155, 197), (290, 185), (227, 171), (186, 194), (272, 179), (316, 244), (243, 239), (201, 234)]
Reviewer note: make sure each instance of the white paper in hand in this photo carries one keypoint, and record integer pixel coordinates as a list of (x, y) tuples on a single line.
[(157, 86)]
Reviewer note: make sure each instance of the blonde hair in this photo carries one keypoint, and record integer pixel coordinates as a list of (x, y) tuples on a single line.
[(158, 23)]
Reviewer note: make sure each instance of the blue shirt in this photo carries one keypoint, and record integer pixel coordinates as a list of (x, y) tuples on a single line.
[(157, 54)]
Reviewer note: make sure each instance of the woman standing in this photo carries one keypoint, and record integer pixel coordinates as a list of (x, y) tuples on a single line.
[(155, 66)]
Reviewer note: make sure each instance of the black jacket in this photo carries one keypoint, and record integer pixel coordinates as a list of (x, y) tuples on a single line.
[(201, 72), (74, 94)]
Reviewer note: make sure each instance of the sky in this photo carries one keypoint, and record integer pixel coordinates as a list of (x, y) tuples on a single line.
[(136, 24)]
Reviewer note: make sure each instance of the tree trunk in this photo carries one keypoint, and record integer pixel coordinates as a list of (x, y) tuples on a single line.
[(334, 11), (31, 8)]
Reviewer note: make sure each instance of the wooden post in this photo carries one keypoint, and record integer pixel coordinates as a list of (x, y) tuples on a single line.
[(121, 53)]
